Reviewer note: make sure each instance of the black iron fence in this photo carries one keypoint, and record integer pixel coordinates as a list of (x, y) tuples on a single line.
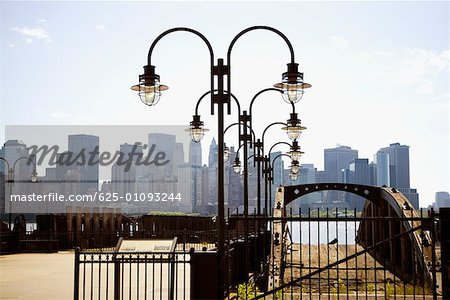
[(323, 254), (314, 254), (132, 275)]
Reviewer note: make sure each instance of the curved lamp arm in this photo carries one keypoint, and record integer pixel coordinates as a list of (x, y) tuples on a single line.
[(7, 163), (238, 123), (208, 44), (28, 159), (230, 48), (279, 143), (265, 130), (273, 160), (209, 92), (259, 93)]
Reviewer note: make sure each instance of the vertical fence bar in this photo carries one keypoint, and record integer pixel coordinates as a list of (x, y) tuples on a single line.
[(444, 226), (76, 275), (116, 277)]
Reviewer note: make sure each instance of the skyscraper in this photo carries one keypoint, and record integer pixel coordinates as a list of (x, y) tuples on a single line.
[(212, 158), (123, 177), (195, 162), (336, 160), (164, 143), (382, 169), (398, 164), (398, 160), (358, 172), (88, 169)]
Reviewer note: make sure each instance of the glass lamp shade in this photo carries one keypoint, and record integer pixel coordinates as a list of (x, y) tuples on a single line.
[(33, 177), (226, 154), (293, 176), (295, 154), (292, 84), (293, 131), (237, 167), (197, 133), (295, 167), (149, 93), (196, 129)]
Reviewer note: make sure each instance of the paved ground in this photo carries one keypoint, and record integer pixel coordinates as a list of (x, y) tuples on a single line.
[(36, 276)]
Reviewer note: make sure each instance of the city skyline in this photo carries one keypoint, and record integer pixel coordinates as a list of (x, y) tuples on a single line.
[(343, 165), (374, 83)]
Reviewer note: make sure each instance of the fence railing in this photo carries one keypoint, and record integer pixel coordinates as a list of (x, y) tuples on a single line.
[(132, 275)]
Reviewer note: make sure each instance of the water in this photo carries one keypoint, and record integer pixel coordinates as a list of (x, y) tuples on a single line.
[(316, 232)]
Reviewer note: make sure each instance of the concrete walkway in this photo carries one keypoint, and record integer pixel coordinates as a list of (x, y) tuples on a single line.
[(37, 276)]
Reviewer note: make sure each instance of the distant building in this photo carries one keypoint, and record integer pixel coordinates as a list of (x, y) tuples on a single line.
[(89, 168), (442, 199), (164, 143), (195, 162), (397, 157), (382, 169), (398, 160), (212, 158), (123, 177), (336, 160), (358, 172)]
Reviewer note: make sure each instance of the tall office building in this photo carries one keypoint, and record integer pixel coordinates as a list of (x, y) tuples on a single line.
[(178, 155), (398, 160), (123, 176), (442, 199), (336, 160), (212, 158), (398, 164), (89, 168), (195, 154), (164, 143), (195, 162), (358, 172), (382, 169), (235, 194)]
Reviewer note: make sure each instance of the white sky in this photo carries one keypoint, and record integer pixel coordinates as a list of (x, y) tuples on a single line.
[(379, 70)]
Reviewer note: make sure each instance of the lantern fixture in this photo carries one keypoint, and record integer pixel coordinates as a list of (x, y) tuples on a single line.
[(149, 89), (292, 84), (295, 167), (226, 153), (293, 176), (295, 153), (196, 129), (293, 128), (237, 166)]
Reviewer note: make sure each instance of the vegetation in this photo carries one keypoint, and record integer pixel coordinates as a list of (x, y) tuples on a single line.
[(247, 291), (340, 287)]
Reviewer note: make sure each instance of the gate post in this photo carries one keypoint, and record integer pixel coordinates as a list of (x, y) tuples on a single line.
[(444, 226)]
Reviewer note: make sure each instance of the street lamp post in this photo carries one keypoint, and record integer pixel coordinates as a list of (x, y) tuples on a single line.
[(149, 90), (10, 179)]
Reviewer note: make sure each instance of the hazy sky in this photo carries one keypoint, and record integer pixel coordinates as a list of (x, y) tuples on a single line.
[(379, 70)]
